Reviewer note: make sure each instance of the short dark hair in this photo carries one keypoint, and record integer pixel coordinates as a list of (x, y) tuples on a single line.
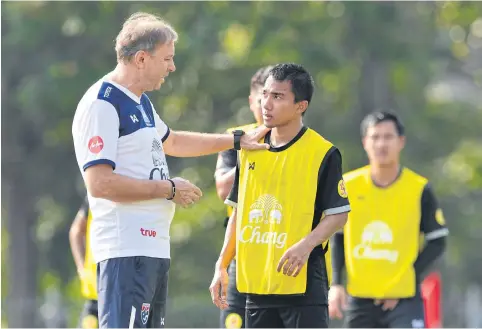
[(259, 78), (375, 118), (302, 84)]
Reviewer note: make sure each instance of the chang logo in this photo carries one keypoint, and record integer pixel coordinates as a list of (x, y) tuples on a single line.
[(156, 152), (377, 232), (160, 170), (265, 210), (375, 239)]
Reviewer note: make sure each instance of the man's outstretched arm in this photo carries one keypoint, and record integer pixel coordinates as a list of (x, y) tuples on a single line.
[(193, 144)]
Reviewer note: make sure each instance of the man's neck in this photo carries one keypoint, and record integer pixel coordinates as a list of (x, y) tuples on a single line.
[(385, 175), (126, 77), (283, 135)]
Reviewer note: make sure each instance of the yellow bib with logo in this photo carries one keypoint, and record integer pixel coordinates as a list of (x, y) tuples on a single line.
[(230, 130), (276, 204), (88, 281), (382, 235)]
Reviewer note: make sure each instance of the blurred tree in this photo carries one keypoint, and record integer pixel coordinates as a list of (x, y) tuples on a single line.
[(363, 56)]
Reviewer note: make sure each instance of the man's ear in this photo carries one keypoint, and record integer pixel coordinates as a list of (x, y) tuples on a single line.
[(301, 107), (402, 142), (140, 58), (363, 140)]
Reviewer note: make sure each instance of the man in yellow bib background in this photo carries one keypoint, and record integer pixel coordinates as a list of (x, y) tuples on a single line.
[(233, 316), (392, 207), (86, 267), (287, 201)]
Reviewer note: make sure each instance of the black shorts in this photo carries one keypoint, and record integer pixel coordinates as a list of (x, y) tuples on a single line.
[(89, 316), (233, 316), (363, 313), (303, 316), (132, 292)]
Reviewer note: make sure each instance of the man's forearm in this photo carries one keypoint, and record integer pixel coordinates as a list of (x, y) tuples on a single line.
[(119, 188), (228, 250), (193, 144), (77, 246), (224, 182), (429, 254), (326, 228), (337, 246)]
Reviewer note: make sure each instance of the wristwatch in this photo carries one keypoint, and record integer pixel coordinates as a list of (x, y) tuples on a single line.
[(237, 139)]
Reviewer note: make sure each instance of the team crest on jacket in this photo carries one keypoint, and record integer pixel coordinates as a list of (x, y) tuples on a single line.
[(233, 321), (145, 312), (342, 189), (439, 217)]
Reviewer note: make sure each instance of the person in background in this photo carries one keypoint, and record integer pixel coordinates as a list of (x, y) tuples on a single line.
[(86, 267), (121, 144), (233, 316), (379, 246), (288, 200)]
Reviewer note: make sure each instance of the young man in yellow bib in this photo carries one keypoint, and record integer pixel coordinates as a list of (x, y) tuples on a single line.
[(392, 207), (86, 267), (288, 201), (233, 316)]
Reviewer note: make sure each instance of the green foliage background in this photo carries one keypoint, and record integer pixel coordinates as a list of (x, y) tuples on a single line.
[(418, 58)]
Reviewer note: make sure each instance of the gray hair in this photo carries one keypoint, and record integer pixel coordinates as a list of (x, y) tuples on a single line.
[(142, 31)]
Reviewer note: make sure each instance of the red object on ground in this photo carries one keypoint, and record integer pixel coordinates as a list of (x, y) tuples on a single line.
[(432, 300)]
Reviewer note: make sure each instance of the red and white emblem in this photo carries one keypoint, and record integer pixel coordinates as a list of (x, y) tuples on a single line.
[(145, 312), (96, 144)]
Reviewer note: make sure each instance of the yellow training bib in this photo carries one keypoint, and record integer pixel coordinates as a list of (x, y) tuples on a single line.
[(88, 281), (382, 235), (276, 205)]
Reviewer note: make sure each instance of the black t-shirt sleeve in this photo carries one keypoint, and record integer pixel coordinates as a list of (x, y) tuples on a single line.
[(227, 161), (84, 208), (432, 223), (232, 199), (337, 244), (331, 196)]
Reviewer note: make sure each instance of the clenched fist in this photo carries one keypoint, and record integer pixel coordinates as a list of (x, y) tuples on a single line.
[(186, 193)]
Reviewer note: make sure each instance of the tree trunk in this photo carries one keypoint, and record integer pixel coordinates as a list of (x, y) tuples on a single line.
[(374, 86), (21, 301)]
